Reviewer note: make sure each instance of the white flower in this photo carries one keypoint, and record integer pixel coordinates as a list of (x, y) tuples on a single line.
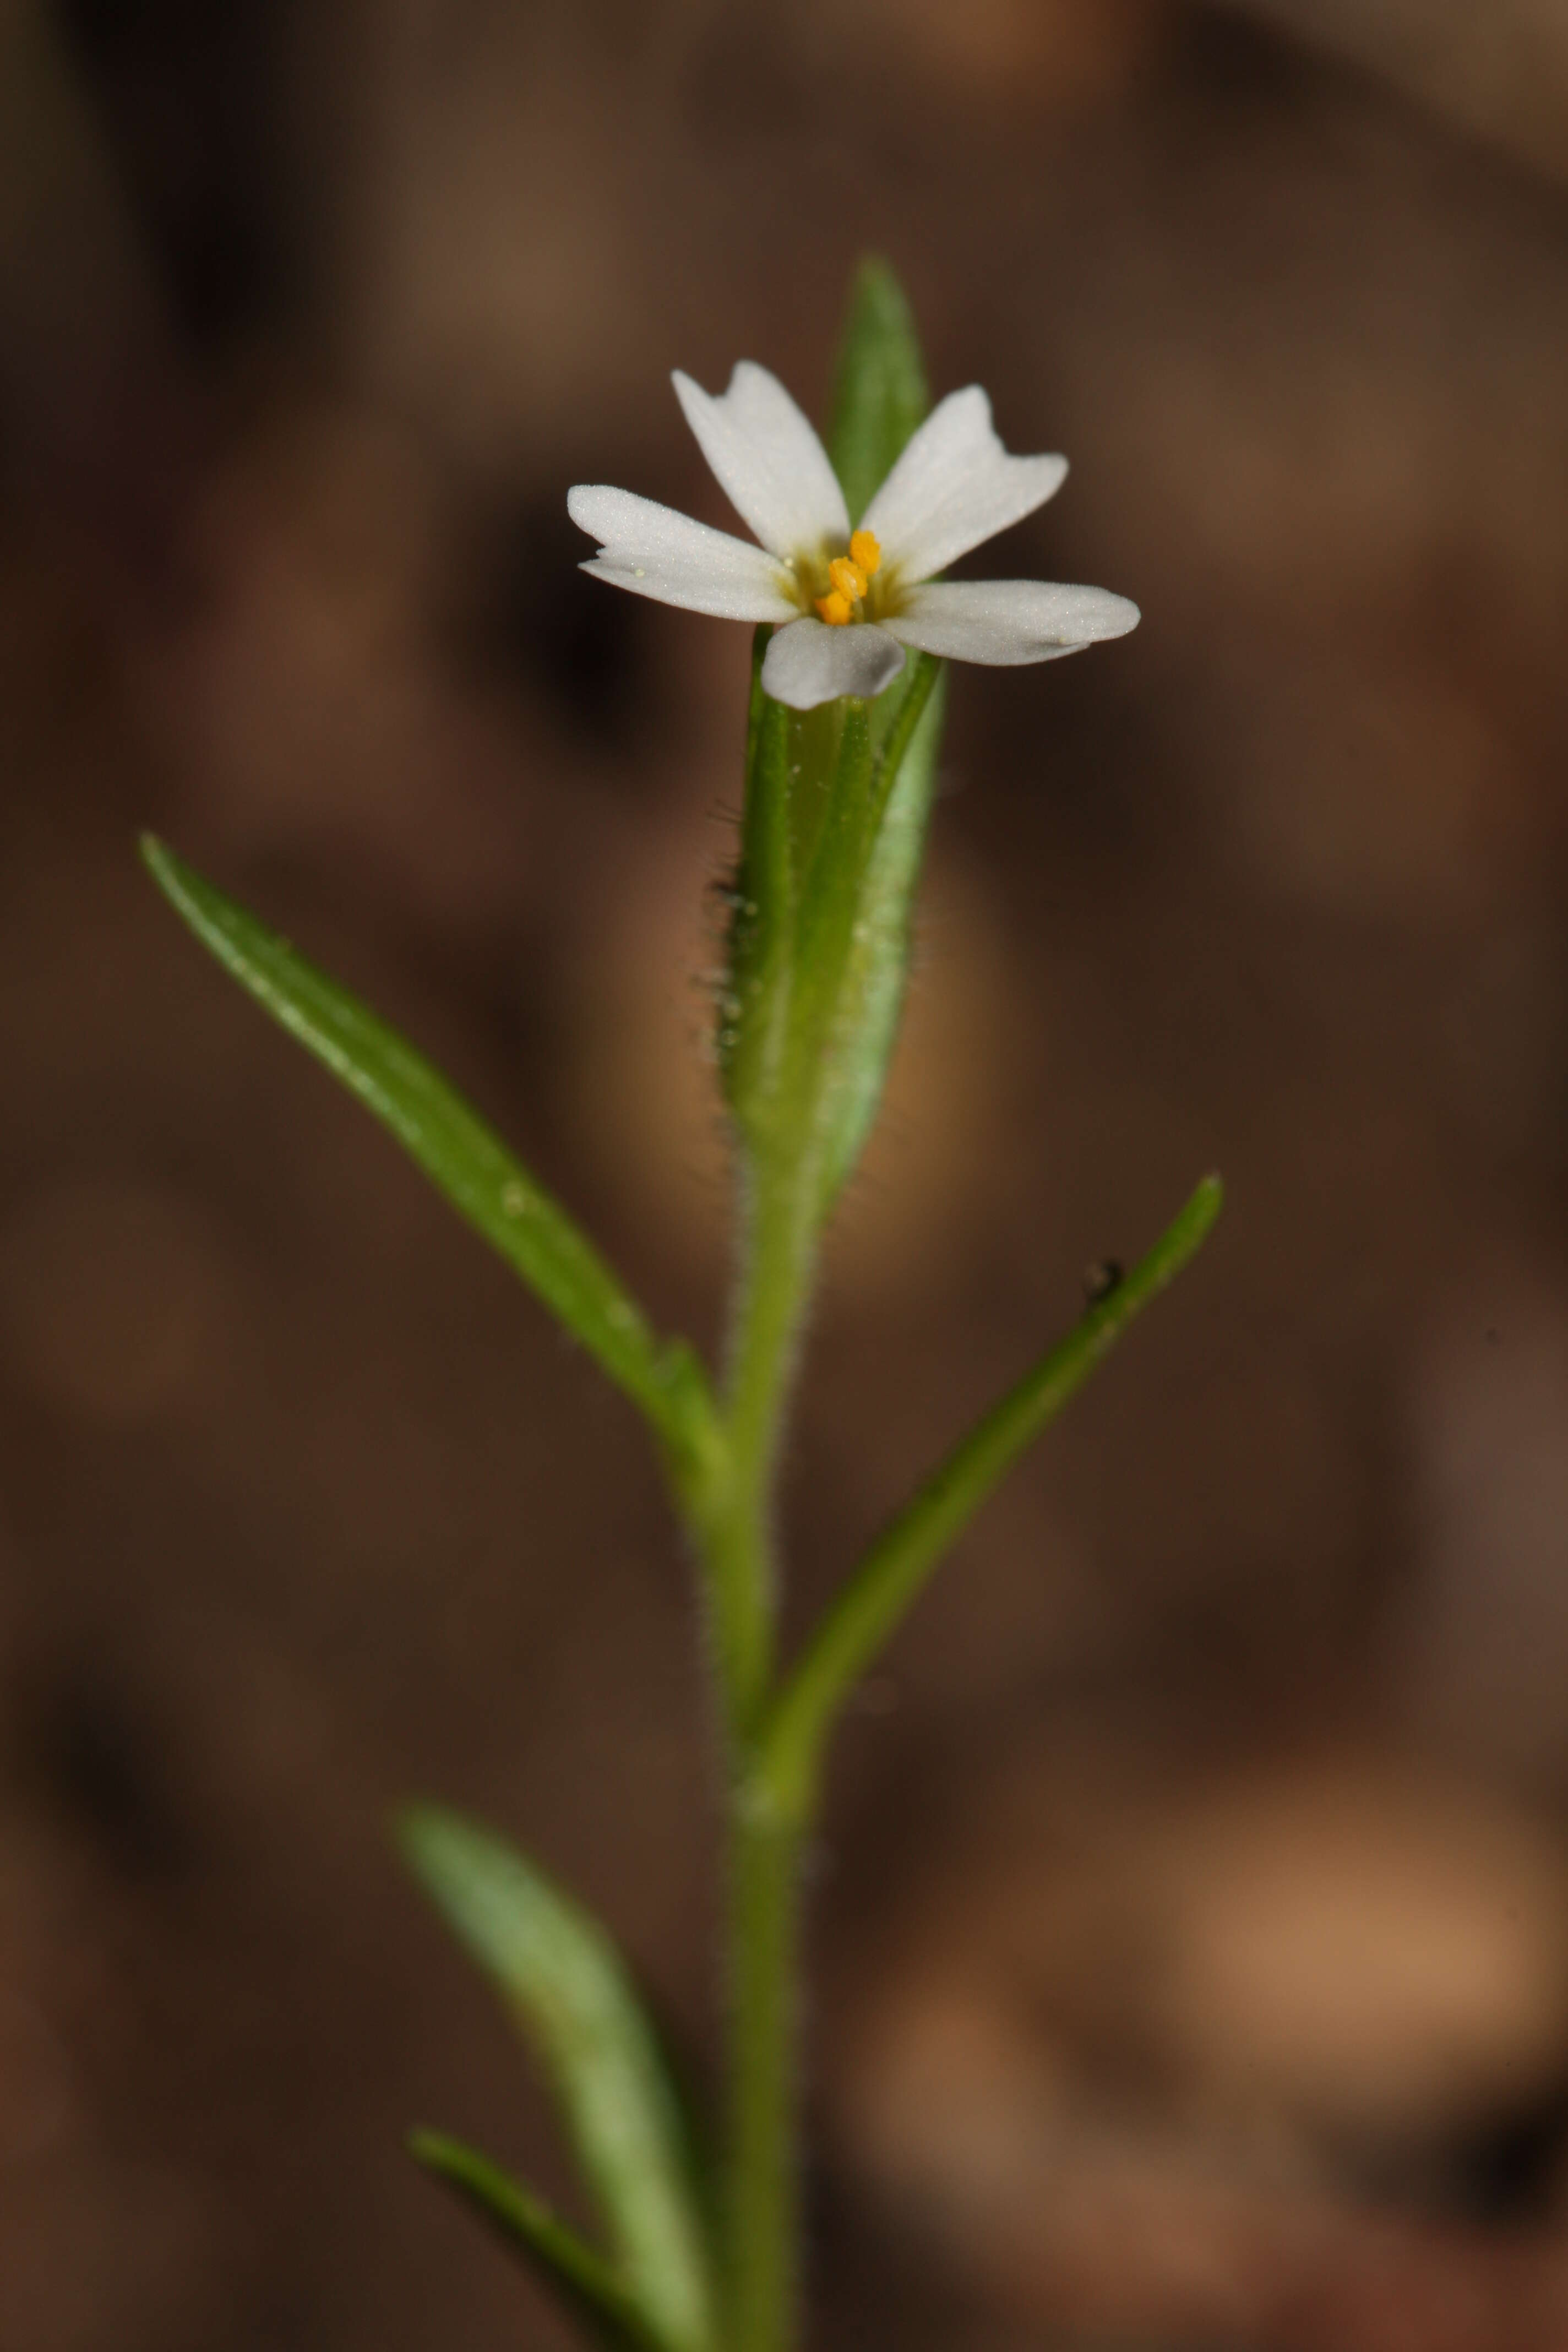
[(848, 603)]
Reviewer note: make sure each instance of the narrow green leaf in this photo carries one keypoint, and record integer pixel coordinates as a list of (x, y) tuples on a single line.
[(578, 2275), (881, 393), (463, 1158), (567, 1985), (868, 1609)]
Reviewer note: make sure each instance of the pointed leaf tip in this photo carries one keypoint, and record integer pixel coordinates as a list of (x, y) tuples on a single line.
[(880, 393), (573, 2270), (870, 1604), (563, 1977), (1207, 1201), (461, 1154)]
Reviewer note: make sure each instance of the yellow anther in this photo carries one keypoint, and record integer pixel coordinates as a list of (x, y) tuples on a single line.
[(866, 552), (847, 577), (835, 609)]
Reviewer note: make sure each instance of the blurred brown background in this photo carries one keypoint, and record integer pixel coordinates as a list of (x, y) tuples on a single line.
[(1190, 1931)]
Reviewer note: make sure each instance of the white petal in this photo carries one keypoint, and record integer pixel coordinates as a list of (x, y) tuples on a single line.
[(655, 552), (810, 663), (772, 467), (953, 487), (1009, 620)]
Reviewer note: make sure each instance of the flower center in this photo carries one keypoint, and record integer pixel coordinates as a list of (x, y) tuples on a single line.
[(851, 576)]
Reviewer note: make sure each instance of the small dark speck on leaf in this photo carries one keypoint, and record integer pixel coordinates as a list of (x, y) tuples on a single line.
[(1101, 1279)]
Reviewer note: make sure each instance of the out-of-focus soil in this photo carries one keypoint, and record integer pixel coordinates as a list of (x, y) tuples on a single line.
[(1191, 1925)]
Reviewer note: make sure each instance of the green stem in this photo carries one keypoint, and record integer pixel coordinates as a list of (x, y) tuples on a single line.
[(762, 2219), (737, 1536), (763, 1845), (788, 1052), (735, 1527)]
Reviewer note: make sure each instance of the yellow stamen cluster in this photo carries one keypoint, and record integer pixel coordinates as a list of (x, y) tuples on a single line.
[(851, 576)]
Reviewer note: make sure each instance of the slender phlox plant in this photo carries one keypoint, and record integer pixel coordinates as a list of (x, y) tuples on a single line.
[(697, 2247)]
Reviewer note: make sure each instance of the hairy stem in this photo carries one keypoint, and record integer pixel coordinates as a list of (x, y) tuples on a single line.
[(761, 2217), (736, 1524)]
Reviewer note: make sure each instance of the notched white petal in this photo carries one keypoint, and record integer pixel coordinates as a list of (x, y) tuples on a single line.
[(769, 462), (810, 663), (954, 487), (655, 552), (1005, 621)]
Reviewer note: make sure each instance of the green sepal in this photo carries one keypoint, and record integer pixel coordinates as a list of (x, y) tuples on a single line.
[(575, 2272), (753, 1007), (881, 394), (563, 1980), (836, 806), (462, 1156), (881, 397), (877, 966)]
